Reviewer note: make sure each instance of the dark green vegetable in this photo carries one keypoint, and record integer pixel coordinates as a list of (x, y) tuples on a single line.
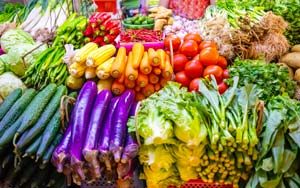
[(9, 101), (9, 133), (16, 110), (31, 150), (40, 125), (36, 107), (48, 154), (49, 134)]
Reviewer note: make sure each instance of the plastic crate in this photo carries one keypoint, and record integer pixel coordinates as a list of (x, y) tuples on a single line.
[(106, 5)]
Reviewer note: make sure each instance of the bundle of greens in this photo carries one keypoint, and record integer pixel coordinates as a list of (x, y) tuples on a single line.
[(272, 79), (190, 135), (280, 143), (9, 11)]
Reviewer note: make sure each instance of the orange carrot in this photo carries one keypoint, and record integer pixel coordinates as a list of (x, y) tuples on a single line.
[(162, 56), (163, 81), (145, 66), (148, 90), (130, 72), (153, 58), (117, 88), (157, 87), (129, 83), (157, 71), (153, 79), (139, 96), (121, 79), (137, 88), (138, 52), (168, 70), (118, 67), (142, 80)]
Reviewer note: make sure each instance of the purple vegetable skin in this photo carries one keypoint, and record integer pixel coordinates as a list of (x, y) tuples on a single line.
[(80, 120), (1, 51), (104, 139), (119, 122), (90, 151)]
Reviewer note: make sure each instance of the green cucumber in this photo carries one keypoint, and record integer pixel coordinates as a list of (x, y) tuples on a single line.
[(48, 154), (36, 107), (9, 133), (42, 122), (16, 110), (9, 101), (31, 150), (49, 134)]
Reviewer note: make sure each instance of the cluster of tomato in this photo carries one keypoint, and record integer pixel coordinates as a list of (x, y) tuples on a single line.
[(194, 59)]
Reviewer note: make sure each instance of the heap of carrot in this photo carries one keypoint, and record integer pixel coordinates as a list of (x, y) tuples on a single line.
[(144, 71)]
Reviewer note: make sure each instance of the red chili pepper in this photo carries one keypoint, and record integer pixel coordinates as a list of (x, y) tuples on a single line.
[(96, 32), (115, 31), (98, 40), (105, 16), (109, 24), (88, 31), (108, 39), (102, 33)]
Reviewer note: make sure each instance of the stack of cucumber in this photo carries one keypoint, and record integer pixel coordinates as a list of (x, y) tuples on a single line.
[(27, 174), (30, 120)]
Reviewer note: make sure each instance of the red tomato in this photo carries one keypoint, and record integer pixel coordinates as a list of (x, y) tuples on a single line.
[(222, 87), (194, 85), (209, 56), (215, 70), (193, 69), (197, 57), (195, 37), (206, 44), (222, 62), (179, 61), (226, 73), (176, 42), (182, 78), (189, 48)]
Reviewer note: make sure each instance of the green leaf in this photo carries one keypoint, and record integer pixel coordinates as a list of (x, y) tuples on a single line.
[(288, 159), (267, 164), (278, 150)]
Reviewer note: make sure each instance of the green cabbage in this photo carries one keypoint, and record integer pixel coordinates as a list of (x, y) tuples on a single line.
[(2, 66), (187, 172), (8, 83), (13, 37), (181, 151)]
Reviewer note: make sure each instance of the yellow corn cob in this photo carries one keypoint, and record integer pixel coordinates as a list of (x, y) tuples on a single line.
[(99, 56), (77, 70), (104, 84), (82, 54), (90, 72), (103, 70)]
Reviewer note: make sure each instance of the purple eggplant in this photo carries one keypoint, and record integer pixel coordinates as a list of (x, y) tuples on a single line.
[(80, 120), (90, 151), (104, 139), (119, 122)]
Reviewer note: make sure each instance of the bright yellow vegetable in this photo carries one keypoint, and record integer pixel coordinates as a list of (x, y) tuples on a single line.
[(82, 54), (137, 52), (77, 70), (103, 70), (105, 84), (99, 56), (90, 72), (74, 83)]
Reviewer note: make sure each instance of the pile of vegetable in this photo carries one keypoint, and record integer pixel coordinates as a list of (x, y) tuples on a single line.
[(21, 51), (71, 32), (97, 136), (31, 121), (48, 68), (42, 21), (102, 29), (278, 161), (28, 174), (189, 136), (161, 17), (140, 35), (272, 79), (182, 27), (194, 59), (139, 22), (8, 83), (9, 12)]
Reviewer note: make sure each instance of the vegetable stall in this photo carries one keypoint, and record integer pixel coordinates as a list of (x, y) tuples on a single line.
[(145, 94)]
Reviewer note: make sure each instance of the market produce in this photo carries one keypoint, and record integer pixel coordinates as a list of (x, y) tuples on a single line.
[(8, 83), (102, 29), (161, 17), (212, 136), (21, 51), (272, 79), (139, 22), (278, 163), (44, 18), (10, 12), (48, 68), (140, 35), (81, 150), (71, 32)]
